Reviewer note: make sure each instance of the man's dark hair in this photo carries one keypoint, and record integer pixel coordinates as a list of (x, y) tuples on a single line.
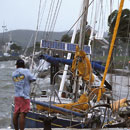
[(20, 63)]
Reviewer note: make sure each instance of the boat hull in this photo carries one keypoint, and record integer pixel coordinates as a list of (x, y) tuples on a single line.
[(33, 121)]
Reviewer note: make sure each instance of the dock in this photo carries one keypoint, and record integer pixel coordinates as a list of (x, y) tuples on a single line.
[(121, 72)]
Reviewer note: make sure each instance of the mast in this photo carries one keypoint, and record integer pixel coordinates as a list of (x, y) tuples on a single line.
[(83, 24), (81, 43)]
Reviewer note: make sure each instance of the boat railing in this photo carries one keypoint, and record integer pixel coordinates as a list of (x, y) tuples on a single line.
[(53, 82)]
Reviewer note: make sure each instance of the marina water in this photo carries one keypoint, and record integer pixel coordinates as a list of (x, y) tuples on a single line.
[(6, 92)]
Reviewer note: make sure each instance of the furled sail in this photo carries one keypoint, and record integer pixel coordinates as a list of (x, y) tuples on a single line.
[(82, 63), (80, 105)]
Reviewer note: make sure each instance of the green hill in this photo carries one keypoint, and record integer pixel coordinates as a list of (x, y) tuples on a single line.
[(23, 37)]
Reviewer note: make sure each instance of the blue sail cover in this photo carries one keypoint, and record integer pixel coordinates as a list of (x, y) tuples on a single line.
[(55, 61)]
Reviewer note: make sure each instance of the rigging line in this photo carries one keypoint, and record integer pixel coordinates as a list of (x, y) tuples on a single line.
[(53, 19), (94, 23), (38, 68), (128, 75), (122, 74), (101, 10), (79, 18), (92, 14), (106, 14), (127, 45), (111, 8), (28, 45), (44, 6), (48, 19), (102, 16), (49, 25), (35, 36)]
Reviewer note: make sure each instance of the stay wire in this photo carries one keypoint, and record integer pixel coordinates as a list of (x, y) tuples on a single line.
[(53, 27), (48, 17), (32, 62), (128, 31), (43, 10), (126, 51), (100, 17), (49, 24), (53, 20), (92, 14)]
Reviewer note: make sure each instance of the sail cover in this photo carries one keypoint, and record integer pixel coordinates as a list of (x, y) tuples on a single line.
[(54, 60)]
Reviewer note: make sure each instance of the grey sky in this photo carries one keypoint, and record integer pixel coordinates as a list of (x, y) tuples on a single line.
[(22, 14)]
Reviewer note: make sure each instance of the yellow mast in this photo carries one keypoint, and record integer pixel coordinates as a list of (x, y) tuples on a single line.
[(111, 48)]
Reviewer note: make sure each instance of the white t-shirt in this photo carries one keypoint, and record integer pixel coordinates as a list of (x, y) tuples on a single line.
[(21, 78)]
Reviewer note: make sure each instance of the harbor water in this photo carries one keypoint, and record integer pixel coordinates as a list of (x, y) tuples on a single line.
[(6, 92), (120, 89)]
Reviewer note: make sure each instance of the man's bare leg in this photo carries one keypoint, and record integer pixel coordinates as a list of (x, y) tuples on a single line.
[(15, 120), (22, 120)]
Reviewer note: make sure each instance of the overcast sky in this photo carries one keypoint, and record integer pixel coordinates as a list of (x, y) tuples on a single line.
[(22, 14)]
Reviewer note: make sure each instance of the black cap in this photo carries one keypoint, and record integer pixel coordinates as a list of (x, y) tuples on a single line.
[(20, 63)]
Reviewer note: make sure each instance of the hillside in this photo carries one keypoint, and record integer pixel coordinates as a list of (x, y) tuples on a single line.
[(23, 37)]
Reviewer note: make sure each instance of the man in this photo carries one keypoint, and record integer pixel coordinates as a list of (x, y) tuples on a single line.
[(22, 78)]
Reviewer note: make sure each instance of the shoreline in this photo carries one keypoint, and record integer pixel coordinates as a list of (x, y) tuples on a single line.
[(5, 58)]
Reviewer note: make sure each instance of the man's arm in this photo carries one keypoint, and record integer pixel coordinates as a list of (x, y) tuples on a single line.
[(31, 77)]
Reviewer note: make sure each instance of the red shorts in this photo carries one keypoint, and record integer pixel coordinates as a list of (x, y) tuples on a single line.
[(21, 105)]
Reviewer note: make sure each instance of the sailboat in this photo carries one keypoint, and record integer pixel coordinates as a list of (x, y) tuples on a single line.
[(86, 104)]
